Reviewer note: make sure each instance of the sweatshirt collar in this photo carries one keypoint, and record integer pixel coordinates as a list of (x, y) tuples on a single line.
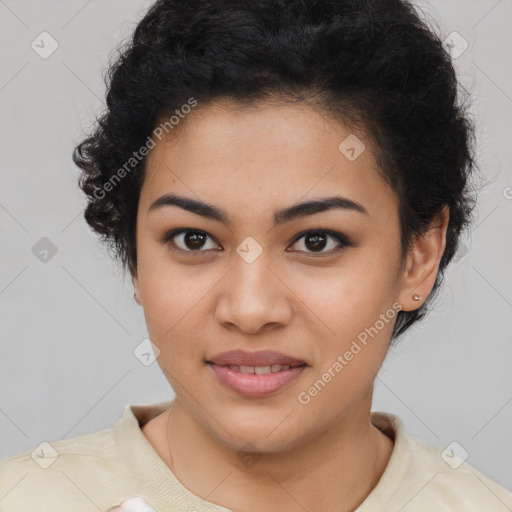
[(163, 490)]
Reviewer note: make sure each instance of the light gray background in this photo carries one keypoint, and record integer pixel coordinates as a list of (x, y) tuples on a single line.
[(70, 325)]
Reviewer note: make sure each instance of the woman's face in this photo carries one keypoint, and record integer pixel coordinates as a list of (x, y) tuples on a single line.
[(255, 280)]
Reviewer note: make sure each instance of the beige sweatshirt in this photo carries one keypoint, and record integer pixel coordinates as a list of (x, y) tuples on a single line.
[(99, 471)]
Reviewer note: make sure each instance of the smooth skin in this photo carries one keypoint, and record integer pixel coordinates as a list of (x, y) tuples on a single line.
[(305, 300)]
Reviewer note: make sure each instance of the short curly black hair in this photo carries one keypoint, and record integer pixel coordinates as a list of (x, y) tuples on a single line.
[(375, 63)]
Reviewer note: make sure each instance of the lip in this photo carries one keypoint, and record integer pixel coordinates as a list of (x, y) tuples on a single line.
[(254, 385), (260, 358)]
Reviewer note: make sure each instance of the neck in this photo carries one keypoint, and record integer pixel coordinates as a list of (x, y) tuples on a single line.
[(345, 462)]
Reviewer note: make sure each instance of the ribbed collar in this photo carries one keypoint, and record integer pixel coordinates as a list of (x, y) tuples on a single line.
[(165, 492), (162, 490)]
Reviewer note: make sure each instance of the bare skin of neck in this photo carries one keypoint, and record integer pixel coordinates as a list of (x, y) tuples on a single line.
[(335, 472)]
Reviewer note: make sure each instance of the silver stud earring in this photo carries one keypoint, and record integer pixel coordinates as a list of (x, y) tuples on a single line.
[(416, 297)]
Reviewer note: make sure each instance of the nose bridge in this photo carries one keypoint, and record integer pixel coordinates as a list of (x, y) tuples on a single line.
[(251, 277), (252, 296)]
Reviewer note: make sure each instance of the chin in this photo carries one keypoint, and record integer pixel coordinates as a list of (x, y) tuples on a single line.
[(253, 431)]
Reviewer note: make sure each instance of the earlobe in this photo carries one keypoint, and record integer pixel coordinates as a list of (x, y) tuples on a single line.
[(423, 263)]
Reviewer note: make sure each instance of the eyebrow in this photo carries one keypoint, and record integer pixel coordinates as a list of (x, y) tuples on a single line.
[(280, 217)]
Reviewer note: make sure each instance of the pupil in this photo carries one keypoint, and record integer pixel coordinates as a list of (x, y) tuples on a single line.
[(194, 240), (318, 242)]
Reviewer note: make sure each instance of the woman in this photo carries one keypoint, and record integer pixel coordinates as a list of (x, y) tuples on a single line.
[(286, 183)]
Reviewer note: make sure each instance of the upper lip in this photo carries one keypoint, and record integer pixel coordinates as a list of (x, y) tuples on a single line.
[(260, 358)]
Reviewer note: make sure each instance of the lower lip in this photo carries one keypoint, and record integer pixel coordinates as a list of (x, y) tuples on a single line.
[(254, 385)]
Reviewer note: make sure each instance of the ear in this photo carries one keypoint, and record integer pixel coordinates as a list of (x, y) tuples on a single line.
[(136, 287), (422, 263)]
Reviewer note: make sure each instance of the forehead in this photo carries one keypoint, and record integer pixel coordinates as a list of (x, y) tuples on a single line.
[(265, 155)]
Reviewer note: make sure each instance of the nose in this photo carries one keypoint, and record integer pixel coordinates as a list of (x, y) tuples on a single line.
[(254, 298)]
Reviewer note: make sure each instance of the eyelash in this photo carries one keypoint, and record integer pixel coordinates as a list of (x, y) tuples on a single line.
[(342, 239)]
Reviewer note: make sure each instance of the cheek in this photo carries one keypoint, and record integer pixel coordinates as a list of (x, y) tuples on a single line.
[(357, 305), (175, 298), (353, 295), (356, 302), (167, 293), (172, 309), (174, 318)]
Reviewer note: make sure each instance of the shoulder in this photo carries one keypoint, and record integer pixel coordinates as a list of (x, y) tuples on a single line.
[(74, 469), (455, 480), (86, 473), (446, 481), (422, 477)]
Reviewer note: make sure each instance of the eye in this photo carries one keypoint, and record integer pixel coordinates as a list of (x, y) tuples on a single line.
[(194, 240), (317, 241), (189, 240)]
